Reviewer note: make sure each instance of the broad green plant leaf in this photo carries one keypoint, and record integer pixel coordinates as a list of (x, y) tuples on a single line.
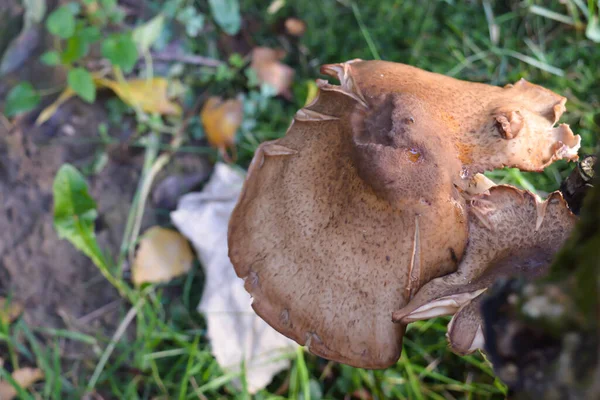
[(145, 35), (75, 212), (50, 58), (75, 49), (121, 51), (61, 22), (21, 98), (227, 15), (82, 83)]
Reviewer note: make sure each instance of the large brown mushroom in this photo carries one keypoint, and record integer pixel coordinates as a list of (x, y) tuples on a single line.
[(511, 233), (364, 200)]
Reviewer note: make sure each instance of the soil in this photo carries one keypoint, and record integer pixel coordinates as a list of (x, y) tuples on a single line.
[(59, 286), (55, 282)]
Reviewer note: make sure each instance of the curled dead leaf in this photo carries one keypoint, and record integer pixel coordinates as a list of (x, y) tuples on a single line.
[(149, 95), (9, 311), (163, 255), (221, 120), (269, 69), (25, 377)]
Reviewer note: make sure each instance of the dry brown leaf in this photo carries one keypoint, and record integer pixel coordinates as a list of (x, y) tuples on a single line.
[(270, 70), (163, 255), (295, 26), (221, 120), (9, 311), (149, 95), (25, 377)]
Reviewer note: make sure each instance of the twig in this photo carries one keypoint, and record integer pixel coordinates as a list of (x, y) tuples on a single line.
[(188, 59)]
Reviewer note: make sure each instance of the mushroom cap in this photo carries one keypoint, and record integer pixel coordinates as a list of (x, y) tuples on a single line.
[(511, 233), (343, 219), (491, 127)]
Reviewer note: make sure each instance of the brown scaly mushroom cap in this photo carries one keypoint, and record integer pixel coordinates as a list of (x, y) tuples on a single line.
[(511, 233), (341, 221)]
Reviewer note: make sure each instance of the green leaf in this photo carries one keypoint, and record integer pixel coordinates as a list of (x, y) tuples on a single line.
[(145, 35), (108, 5), (61, 22), (90, 34), (192, 20), (227, 15), (121, 51), (75, 212), (21, 98), (50, 58), (76, 48), (81, 81)]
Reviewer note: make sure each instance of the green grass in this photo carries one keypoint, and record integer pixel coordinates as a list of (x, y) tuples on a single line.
[(161, 348)]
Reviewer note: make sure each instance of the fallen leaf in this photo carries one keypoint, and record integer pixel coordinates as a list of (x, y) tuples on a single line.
[(163, 255), (271, 71), (9, 311), (24, 377), (295, 26), (49, 111), (149, 95), (236, 333), (221, 120)]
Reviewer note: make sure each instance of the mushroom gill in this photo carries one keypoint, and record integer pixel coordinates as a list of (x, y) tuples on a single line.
[(511, 233), (363, 201)]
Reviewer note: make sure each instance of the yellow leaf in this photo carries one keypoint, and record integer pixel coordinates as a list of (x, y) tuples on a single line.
[(25, 377), (163, 255), (9, 311), (49, 111), (149, 95), (221, 120)]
